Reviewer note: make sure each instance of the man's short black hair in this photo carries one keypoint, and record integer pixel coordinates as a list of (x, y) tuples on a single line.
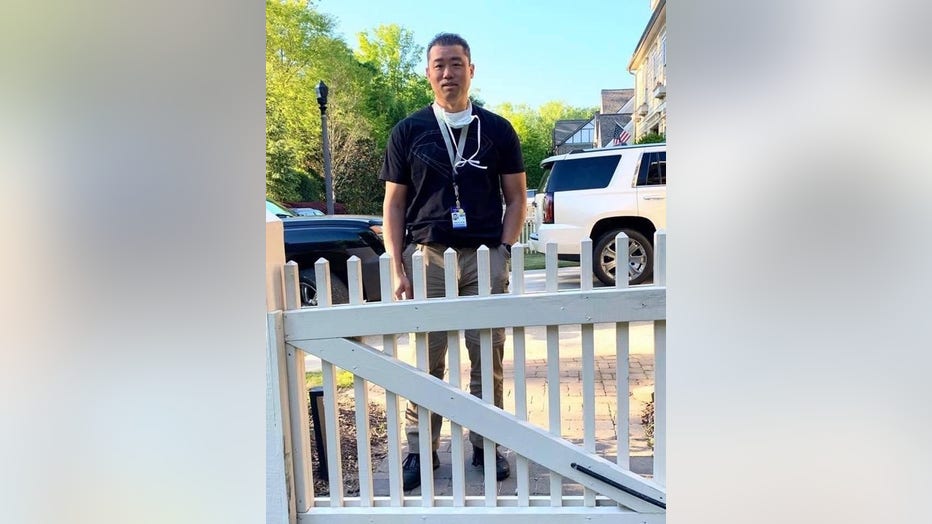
[(448, 39)]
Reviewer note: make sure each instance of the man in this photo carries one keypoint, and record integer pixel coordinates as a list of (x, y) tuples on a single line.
[(446, 169)]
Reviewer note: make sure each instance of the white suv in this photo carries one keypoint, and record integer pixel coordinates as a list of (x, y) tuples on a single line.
[(596, 193)]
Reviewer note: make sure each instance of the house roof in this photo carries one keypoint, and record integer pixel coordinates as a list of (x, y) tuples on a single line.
[(563, 129), (640, 48), (609, 123), (614, 99)]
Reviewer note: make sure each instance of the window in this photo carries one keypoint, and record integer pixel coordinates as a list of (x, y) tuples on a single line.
[(658, 61), (653, 171), (580, 173), (642, 83), (277, 210), (583, 136), (663, 48)]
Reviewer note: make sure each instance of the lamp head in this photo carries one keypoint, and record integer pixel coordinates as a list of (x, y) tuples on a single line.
[(321, 90)]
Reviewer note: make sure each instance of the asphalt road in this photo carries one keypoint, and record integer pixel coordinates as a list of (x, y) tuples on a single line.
[(535, 280)]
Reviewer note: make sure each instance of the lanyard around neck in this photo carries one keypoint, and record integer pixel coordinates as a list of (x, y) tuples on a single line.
[(447, 140), (458, 154)]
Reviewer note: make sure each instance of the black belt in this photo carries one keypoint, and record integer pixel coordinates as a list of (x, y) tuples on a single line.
[(471, 245)]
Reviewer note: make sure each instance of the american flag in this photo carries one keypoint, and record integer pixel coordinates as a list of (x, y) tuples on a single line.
[(621, 136)]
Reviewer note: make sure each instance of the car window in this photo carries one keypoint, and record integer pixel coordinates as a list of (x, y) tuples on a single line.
[(276, 209), (653, 171), (544, 178), (581, 173)]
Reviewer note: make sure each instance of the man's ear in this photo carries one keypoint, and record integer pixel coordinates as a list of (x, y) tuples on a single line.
[(472, 70)]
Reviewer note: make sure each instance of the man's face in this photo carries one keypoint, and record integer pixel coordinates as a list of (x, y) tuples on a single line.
[(450, 73)]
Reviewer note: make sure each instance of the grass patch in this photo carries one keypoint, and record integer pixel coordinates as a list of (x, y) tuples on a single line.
[(535, 260), (316, 378)]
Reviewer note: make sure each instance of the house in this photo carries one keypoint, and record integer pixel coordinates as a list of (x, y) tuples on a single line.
[(601, 129), (627, 114), (648, 65), (615, 115), (573, 134)]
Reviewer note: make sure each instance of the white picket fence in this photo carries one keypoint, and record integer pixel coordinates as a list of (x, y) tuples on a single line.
[(524, 236), (610, 491)]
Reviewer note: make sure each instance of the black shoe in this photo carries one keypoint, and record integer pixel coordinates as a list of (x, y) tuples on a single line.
[(411, 470), (502, 469)]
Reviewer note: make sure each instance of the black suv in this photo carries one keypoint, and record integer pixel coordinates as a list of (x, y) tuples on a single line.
[(335, 238)]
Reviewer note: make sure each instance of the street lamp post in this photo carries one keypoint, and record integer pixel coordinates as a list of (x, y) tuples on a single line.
[(328, 177)]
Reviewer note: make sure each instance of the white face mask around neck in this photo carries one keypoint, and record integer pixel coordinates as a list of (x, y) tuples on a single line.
[(458, 119)]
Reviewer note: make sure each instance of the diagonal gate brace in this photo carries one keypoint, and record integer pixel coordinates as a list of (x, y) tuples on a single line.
[(554, 453)]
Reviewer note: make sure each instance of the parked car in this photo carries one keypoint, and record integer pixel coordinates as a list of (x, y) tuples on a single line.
[(597, 193), (278, 209), (335, 238), (307, 211)]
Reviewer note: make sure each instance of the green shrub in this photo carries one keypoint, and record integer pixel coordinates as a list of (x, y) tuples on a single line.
[(651, 138)]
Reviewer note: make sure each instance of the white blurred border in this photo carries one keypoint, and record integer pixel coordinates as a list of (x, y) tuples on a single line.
[(798, 288), (131, 148), (131, 152)]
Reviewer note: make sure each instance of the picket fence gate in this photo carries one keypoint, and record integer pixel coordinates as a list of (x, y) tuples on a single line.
[(332, 333)]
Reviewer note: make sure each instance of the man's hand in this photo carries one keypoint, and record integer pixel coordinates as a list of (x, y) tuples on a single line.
[(403, 290), (393, 222), (514, 189)]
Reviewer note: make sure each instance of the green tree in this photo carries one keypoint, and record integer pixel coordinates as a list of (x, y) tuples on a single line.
[(355, 174), (301, 50), (290, 28), (395, 87), (283, 176), (535, 130), (370, 91)]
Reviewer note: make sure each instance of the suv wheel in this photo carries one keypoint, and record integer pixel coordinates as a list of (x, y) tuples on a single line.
[(308, 287), (640, 257)]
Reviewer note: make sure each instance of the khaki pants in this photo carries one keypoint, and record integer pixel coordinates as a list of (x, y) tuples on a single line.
[(467, 273)]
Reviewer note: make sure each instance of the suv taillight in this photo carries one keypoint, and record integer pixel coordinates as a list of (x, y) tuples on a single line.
[(548, 208)]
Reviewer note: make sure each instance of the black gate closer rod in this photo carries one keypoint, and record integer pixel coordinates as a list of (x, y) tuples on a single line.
[(614, 484)]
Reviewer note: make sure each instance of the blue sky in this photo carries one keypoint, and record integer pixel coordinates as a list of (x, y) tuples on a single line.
[(526, 52)]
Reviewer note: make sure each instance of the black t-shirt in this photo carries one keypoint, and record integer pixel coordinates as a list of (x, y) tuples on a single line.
[(417, 156)]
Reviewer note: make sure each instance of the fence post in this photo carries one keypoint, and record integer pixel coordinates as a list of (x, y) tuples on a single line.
[(453, 354), (660, 365), (298, 402), (331, 407), (621, 260), (660, 257), (279, 484), (553, 371), (622, 357), (392, 412)]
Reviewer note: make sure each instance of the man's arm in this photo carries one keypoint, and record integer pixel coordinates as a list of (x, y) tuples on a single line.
[(514, 189), (393, 218)]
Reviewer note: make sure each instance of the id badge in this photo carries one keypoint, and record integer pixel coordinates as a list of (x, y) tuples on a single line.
[(459, 217)]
